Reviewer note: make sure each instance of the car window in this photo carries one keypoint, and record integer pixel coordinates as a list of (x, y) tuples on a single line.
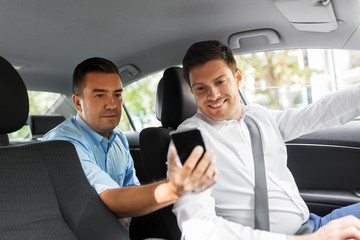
[(294, 78), (139, 98), (275, 79), (39, 103)]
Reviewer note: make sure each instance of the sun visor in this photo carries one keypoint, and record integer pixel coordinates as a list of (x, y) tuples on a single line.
[(309, 15)]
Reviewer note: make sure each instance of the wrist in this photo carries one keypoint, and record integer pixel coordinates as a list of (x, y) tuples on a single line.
[(173, 191), (166, 192)]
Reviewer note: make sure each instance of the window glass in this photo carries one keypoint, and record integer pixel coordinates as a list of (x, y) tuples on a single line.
[(275, 79), (139, 98), (39, 103), (294, 78)]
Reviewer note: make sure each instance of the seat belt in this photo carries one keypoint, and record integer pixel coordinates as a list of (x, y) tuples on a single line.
[(261, 210)]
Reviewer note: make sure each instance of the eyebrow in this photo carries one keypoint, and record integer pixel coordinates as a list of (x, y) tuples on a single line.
[(196, 84), (103, 90)]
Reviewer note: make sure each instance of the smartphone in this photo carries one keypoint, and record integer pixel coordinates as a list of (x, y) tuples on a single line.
[(186, 141)]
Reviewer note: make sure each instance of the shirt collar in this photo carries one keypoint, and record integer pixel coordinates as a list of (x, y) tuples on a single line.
[(93, 137), (244, 111)]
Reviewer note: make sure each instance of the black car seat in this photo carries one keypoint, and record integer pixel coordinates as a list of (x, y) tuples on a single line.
[(44, 191), (41, 124), (174, 104)]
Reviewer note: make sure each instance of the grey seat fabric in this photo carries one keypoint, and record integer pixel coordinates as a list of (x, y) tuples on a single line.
[(41, 124), (45, 195), (44, 191), (174, 103)]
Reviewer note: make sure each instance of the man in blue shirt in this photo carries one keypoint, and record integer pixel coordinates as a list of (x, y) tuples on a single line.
[(104, 152)]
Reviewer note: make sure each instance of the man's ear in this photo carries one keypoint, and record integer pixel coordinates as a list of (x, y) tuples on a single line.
[(238, 76), (77, 102)]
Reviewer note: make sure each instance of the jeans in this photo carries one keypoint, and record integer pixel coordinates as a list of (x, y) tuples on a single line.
[(318, 221)]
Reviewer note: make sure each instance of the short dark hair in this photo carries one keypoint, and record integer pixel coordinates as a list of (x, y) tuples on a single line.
[(202, 52), (95, 64)]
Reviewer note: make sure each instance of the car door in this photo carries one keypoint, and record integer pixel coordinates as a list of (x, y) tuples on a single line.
[(325, 165)]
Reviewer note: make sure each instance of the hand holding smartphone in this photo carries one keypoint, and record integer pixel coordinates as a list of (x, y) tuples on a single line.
[(186, 141)]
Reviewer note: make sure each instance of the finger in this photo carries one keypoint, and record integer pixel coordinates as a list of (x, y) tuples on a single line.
[(205, 174), (191, 161), (207, 159), (341, 228), (349, 220), (202, 165), (350, 232), (183, 179), (208, 179), (194, 157), (172, 156)]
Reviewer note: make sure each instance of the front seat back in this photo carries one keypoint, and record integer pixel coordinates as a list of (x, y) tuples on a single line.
[(174, 104), (44, 191)]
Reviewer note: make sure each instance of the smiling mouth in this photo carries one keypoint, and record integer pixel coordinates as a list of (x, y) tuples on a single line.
[(217, 105)]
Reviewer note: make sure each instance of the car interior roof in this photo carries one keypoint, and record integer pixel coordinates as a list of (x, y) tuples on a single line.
[(48, 38)]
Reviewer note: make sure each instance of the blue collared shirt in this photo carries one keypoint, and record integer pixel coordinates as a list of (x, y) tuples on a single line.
[(107, 163)]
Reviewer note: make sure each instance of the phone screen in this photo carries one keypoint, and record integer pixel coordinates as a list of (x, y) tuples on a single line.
[(186, 141)]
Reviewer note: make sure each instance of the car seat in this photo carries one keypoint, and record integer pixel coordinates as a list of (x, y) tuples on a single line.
[(41, 124), (174, 104), (44, 191)]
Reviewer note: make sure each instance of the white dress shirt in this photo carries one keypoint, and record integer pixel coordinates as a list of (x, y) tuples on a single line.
[(226, 211)]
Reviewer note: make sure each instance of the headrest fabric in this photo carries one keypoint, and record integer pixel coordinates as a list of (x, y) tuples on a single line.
[(14, 102), (174, 100)]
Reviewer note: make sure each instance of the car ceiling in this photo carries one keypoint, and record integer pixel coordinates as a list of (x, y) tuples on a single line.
[(49, 38)]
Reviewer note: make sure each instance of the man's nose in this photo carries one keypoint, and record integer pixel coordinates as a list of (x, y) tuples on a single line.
[(213, 93), (110, 103)]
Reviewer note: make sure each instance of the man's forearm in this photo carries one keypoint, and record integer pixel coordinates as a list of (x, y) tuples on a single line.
[(139, 200), (191, 177)]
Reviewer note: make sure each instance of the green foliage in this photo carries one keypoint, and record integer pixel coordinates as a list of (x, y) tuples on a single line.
[(39, 103), (140, 97), (272, 70)]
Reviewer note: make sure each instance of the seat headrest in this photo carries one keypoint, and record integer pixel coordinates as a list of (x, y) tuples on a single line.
[(4, 140), (174, 100), (41, 124), (14, 102)]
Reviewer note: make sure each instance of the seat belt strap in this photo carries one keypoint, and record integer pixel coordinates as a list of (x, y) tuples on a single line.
[(261, 210)]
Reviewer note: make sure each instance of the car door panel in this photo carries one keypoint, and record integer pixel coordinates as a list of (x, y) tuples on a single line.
[(326, 165)]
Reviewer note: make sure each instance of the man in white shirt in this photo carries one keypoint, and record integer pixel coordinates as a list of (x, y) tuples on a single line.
[(226, 211)]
